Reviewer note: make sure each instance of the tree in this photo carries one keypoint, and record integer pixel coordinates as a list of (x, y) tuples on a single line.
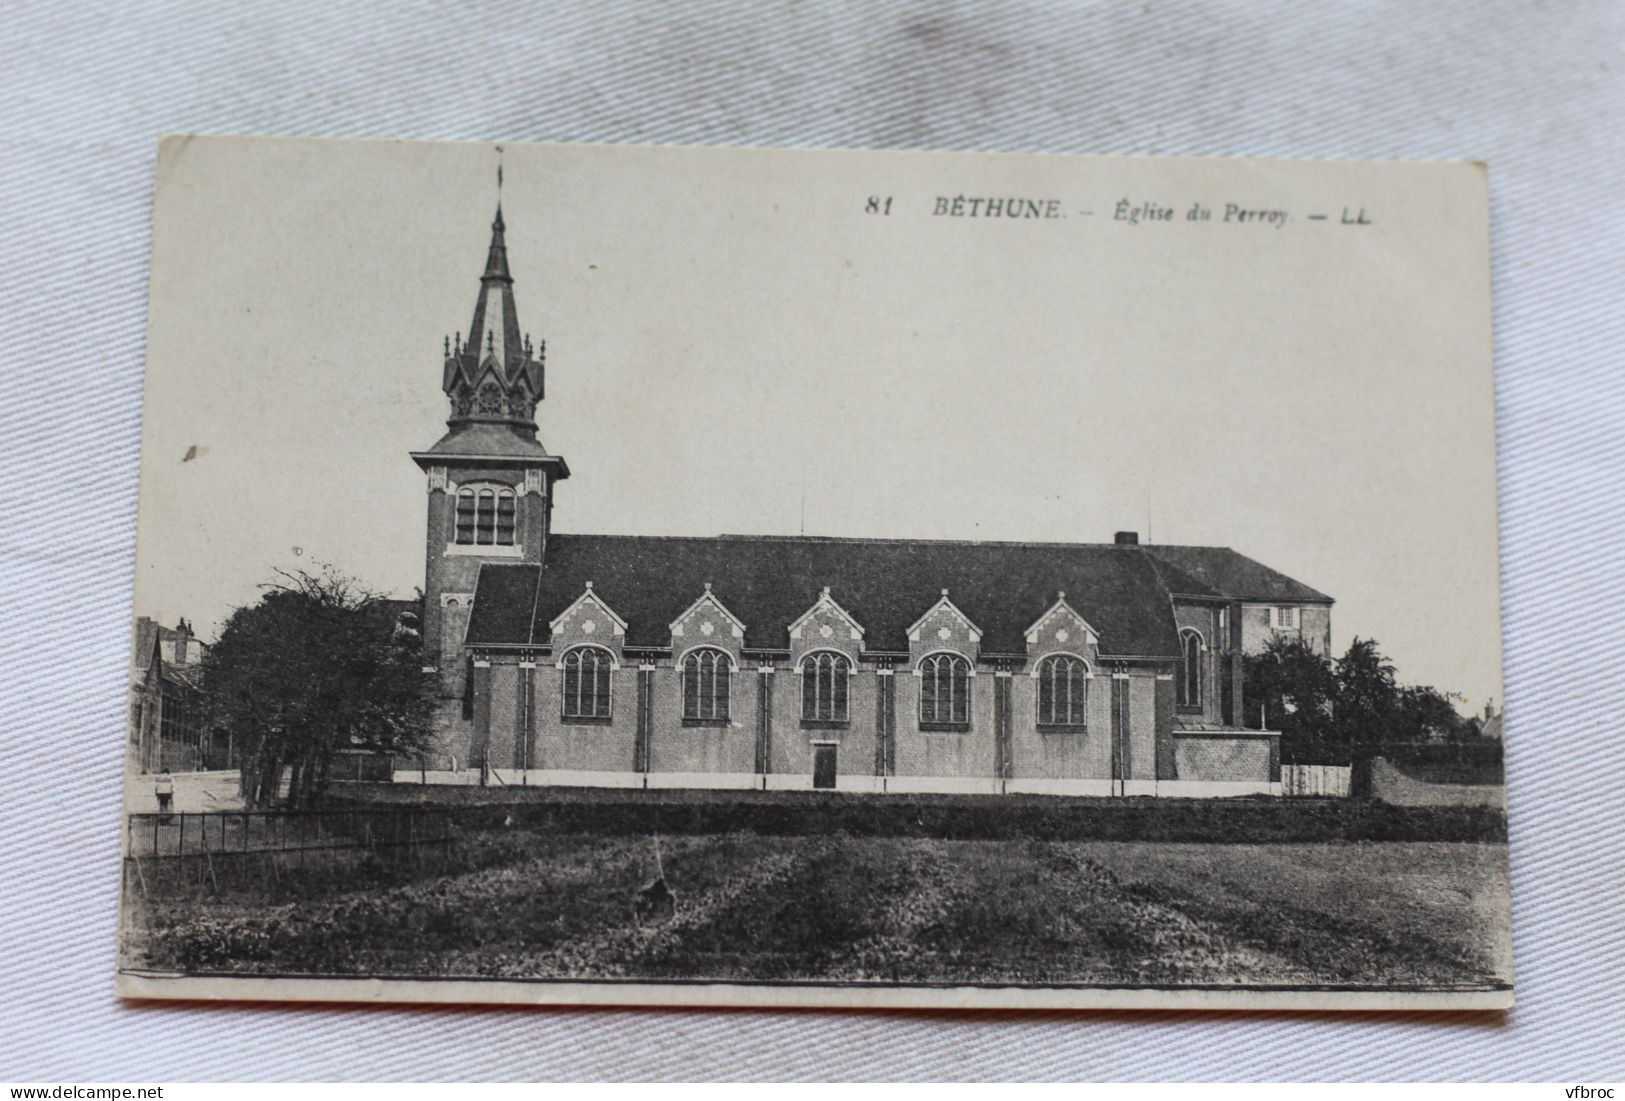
[(1367, 695), (1296, 689), (319, 664), (1331, 712), (1425, 715)]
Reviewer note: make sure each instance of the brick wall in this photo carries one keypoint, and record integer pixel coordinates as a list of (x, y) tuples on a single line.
[(503, 721), (1142, 732), (792, 743), (945, 753), (458, 573), (452, 739), (1203, 618), (1061, 755), (674, 747), (1230, 759), (504, 709), (585, 746)]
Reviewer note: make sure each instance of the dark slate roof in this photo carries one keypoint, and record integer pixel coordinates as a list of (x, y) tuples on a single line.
[(187, 676), (1235, 576), (886, 585), (1179, 582), (495, 441)]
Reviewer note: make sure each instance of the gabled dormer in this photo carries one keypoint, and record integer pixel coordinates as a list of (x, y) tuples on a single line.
[(707, 622), (1062, 629), (944, 627), (588, 621), (826, 626)]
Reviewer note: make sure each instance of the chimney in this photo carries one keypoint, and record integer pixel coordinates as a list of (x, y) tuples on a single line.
[(1489, 710), (1128, 538)]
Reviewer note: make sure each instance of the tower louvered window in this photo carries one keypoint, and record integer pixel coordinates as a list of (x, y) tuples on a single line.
[(824, 688), (945, 690), (1063, 687), (705, 686), (485, 516), (586, 683), (504, 524)]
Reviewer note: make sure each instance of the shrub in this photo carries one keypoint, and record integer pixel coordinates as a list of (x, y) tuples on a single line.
[(957, 817)]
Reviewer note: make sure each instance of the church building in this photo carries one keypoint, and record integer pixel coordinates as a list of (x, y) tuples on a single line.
[(767, 663)]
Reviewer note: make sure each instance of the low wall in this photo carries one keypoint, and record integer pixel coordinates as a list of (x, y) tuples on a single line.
[(1036, 786), (871, 785)]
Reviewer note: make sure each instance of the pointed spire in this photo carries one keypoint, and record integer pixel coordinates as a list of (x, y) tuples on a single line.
[(499, 378), (494, 313), (496, 260)]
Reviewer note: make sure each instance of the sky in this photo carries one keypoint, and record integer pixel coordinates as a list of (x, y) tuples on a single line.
[(737, 343)]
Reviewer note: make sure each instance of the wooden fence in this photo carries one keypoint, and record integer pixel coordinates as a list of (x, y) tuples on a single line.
[(1316, 780)]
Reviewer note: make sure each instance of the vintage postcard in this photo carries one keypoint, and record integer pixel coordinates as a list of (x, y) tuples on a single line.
[(596, 574)]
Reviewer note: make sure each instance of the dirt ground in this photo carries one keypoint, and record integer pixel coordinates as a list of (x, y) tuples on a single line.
[(751, 907)]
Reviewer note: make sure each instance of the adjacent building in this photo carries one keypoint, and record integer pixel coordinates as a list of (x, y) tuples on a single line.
[(873, 665), (167, 731)]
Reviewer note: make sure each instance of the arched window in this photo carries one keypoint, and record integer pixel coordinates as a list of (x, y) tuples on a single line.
[(1063, 691), (586, 683), (823, 687), (945, 690), (485, 516), (1190, 670), (705, 686)]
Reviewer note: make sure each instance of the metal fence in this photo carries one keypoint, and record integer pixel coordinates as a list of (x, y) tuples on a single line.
[(159, 836)]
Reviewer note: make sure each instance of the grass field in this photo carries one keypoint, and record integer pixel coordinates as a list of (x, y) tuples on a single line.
[(751, 907)]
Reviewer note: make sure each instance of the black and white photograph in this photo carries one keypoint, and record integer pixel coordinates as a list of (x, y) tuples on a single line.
[(658, 575)]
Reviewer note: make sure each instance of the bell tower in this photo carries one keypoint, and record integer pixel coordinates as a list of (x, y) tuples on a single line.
[(489, 479)]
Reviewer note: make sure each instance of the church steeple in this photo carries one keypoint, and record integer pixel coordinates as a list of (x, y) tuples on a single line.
[(495, 376), (490, 481)]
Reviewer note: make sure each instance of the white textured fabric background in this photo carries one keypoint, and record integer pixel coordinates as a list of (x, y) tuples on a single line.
[(1533, 88)]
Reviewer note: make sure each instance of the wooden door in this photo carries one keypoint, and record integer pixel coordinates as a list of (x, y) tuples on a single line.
[(824, 766)]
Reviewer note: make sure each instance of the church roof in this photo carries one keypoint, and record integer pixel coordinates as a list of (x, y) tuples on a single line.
[(1223, 572), (1181, 583), (769, 581), (485, 440)]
